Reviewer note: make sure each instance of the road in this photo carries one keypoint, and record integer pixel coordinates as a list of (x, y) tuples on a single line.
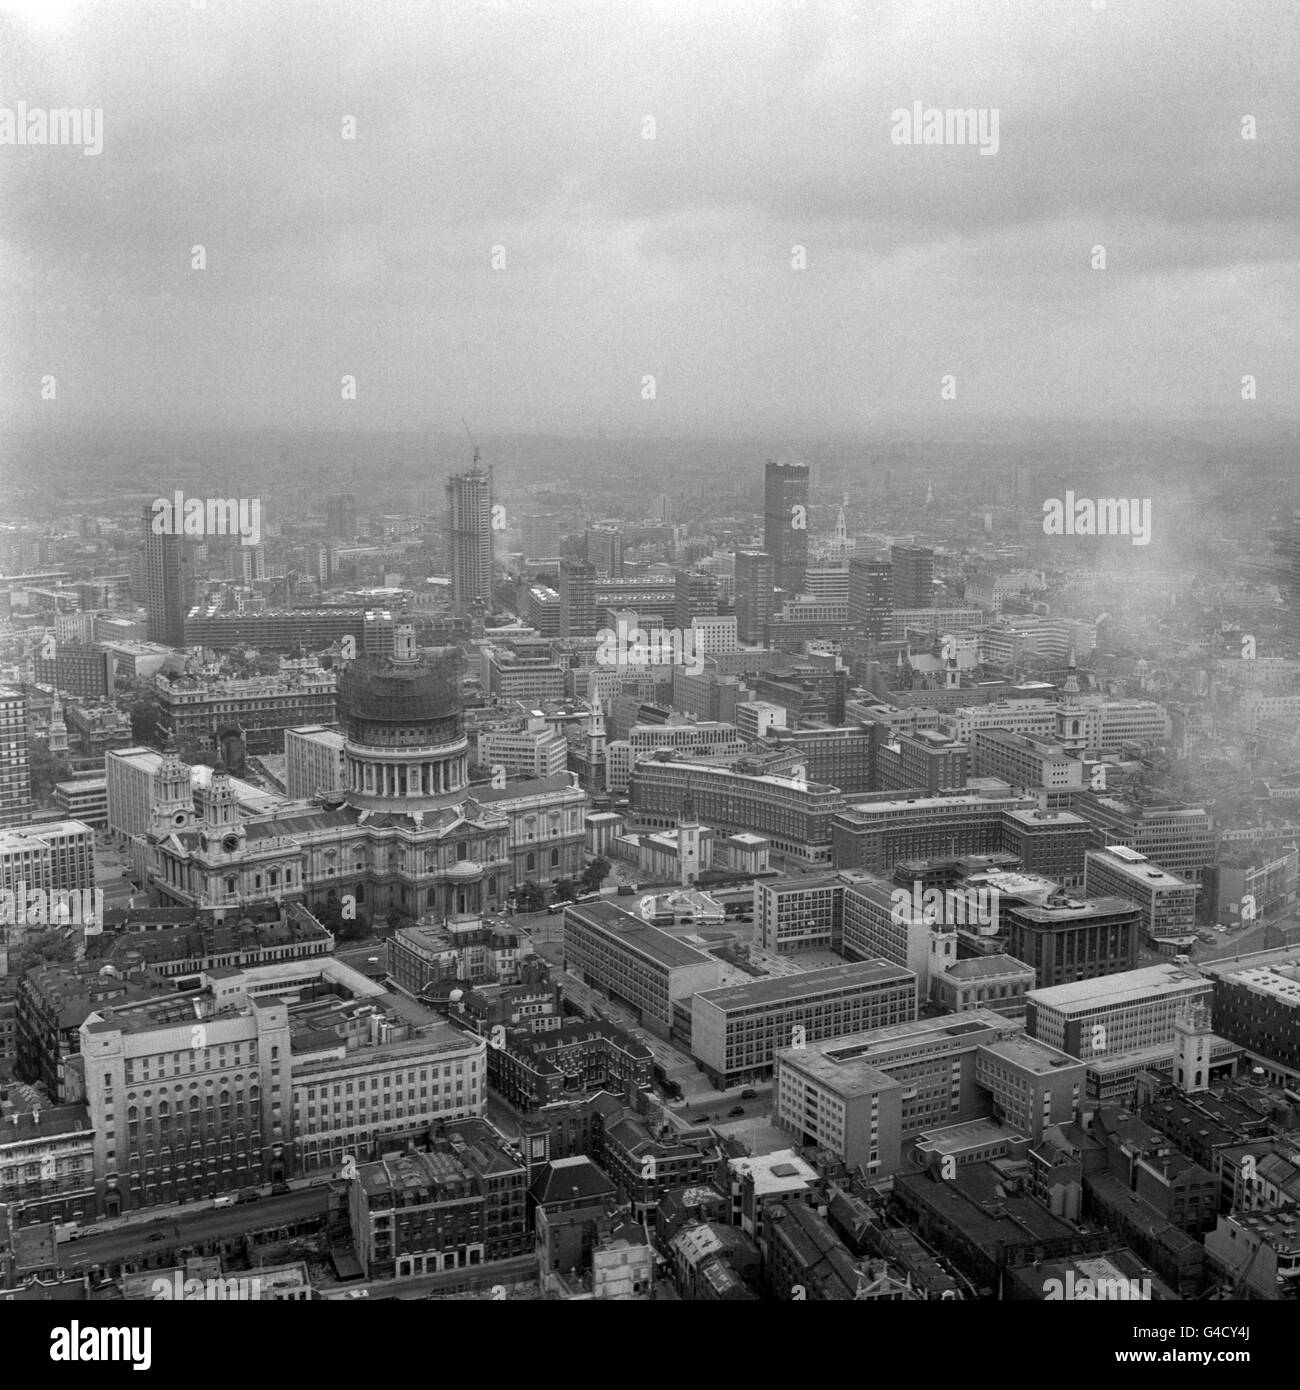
[(125, 1243), (503, 1272)]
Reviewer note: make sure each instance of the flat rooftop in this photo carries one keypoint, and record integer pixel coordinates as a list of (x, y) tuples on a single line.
[(788, 988), (1031, 1055), (849, 1077), (1115, 991), (976, 1025), (637, 935)]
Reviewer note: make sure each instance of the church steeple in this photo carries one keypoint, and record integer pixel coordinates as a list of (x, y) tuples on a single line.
[(1071, 682), (58, 729)]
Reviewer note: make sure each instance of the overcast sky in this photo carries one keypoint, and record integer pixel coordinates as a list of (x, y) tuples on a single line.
[(521, 125)]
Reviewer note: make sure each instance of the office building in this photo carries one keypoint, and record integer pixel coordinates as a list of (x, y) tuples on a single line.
[(1168, 903), (1119, 1024), (275, 629), (795, 816), (622, 956), (876, 833), (81, 670), (604, 550), (341, 516), (755, 582), (870, 595), (165, 598), (912, 571), (1257, 1005), (84, 799), (193, 710), (15, 781), (1178, 839), (1072, 940), (927, 761), (469, 538), (880, 926), (541, 536), (368, 1078), (536, 750), (785, 523), (801, 913), (695, 596), (313, 761), (579, 616), (736, 1031), (870, 1096), (842, 757), (1027, 761), (188, 1096)]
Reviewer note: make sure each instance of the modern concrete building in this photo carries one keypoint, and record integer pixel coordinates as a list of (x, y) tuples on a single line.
[(469, 537), (622, 956), (736, 1032), (15, 780), (869, 1096), (313, 761), (1167, 902)]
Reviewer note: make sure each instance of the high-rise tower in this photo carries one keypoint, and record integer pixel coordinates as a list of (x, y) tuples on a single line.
[(755, 581), (164, 584), (785, 522), (469, 537), (913, 576), (15, 780)]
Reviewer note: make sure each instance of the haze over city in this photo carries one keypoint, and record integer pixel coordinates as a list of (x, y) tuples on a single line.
[(649, 652)]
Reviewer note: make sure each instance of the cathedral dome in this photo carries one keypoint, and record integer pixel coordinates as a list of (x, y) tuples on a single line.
[(384, 702)]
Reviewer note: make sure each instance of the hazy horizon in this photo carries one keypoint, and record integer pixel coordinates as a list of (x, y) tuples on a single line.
[(522, 127)]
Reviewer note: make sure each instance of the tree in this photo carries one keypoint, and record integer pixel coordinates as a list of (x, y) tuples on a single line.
[(45, 769), (595, 874), (563, 890), (529, 897)]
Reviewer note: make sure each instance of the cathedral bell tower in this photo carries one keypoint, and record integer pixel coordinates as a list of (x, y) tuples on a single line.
[(222, 829), (173, 804)]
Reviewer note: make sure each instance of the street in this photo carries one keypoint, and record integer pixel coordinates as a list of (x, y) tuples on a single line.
[(127, 1243)]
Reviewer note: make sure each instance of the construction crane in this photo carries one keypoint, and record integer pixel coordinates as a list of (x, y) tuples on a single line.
[(473, 443)]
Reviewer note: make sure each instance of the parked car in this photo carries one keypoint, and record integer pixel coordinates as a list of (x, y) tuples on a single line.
[(223, 1201), (701, 1119), (748, 1094), (736, 1110), (249, 1194), (278, 1189)]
